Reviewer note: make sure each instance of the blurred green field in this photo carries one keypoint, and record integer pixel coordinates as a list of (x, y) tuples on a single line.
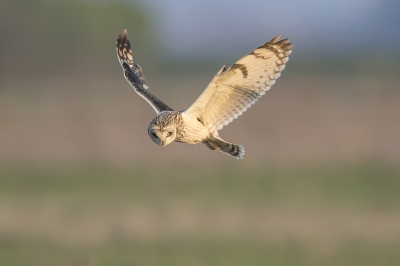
[(183, 214)]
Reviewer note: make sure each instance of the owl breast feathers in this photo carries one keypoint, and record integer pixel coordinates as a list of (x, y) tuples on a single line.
[(231, 92)]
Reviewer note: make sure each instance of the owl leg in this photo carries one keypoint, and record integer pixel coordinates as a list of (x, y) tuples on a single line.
[(234, 150), (211, 145)]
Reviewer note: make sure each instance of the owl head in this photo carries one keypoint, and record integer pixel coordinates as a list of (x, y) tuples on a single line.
[(162, 131)]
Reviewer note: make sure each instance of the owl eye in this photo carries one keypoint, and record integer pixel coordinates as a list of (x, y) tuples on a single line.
[(169, 134), (154, 135)]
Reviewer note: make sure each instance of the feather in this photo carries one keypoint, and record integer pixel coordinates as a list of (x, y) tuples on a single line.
[(133, 74), (233, 91)]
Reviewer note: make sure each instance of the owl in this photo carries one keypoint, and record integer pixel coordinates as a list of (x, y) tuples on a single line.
[(230, 93)]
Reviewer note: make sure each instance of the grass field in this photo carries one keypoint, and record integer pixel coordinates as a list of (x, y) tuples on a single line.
[(192, 215), (82, 184)]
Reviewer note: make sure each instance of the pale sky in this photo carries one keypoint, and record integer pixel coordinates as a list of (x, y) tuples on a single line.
[(210, 26)]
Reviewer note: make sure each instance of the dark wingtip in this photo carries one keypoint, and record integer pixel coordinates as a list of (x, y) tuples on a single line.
[(123, 36), (275, 39), (285, 43)]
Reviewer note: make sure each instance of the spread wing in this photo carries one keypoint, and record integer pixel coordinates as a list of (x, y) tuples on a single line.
[(232, 91), (133, 73)]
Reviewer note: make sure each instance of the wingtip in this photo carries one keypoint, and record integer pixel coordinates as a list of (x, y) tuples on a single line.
[(123, 35), (284, 43), (274, 40)]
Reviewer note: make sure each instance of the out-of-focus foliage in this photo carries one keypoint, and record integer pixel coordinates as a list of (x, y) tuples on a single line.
[(63, 37)]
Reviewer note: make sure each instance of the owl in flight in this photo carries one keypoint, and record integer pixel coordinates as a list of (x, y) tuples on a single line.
[(230, 93)]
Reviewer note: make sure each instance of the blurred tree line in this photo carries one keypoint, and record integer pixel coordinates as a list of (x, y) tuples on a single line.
[(43, 38), (65, 37)]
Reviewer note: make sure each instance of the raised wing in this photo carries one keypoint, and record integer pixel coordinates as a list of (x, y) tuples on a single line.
[(232, 91), (133, 73)]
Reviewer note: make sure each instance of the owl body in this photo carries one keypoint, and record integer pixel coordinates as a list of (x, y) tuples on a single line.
[(230, 93), (187, 128)]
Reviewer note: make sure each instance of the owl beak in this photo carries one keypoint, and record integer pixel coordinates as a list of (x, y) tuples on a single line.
[(162, 143)]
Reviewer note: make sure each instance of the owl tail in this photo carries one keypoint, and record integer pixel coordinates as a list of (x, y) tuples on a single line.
[(233, 150)]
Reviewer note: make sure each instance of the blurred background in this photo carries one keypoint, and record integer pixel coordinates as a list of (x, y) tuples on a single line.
[(81, 183)]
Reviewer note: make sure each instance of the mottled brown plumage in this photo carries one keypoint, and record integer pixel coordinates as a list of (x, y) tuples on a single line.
[(231, 92)]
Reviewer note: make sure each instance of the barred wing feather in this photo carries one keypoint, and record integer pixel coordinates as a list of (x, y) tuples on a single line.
[(134, 75), (232, 91)]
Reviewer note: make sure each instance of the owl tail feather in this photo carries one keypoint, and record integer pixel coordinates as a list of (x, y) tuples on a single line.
[(233, 150)]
